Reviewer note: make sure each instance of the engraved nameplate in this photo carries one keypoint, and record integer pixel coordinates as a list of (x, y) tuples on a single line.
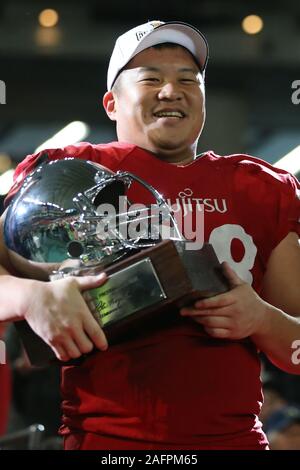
[(127, 291)]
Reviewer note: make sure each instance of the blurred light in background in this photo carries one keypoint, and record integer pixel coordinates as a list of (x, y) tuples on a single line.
[(72, 133), (5, 162), (47, 37), (48, 18), (6, 181), (290, 162), (252, 24)]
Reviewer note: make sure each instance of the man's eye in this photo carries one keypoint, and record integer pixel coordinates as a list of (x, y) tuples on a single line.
[(188, 80), (150, 79)]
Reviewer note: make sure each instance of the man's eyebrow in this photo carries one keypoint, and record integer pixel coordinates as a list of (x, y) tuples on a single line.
[(189, 69), (149, 69), (156, 69)]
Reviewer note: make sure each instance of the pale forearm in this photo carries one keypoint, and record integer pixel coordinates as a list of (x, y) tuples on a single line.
[(14, 296), (277, 339)]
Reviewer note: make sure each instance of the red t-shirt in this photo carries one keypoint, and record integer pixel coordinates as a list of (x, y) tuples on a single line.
[(176, 387)]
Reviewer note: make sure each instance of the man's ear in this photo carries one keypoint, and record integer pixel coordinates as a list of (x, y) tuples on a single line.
[(109, 105)]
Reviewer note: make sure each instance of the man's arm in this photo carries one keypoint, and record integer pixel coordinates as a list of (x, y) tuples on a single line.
[(280, 333), (271, 322), (56, 310)]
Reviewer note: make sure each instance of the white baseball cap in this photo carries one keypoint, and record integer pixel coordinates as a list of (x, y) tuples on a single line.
[(156, 32)]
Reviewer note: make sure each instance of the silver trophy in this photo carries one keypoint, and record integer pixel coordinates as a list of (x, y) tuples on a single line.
[(73, 217)]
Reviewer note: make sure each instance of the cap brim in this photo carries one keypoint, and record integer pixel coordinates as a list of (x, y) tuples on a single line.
[(179, 33)]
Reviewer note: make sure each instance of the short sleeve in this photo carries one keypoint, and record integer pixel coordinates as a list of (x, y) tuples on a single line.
[(289, 211), (26, 167), (274, 194), (32, 161), (109, 155)]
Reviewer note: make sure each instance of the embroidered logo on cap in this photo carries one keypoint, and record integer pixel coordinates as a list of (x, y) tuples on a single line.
[(155, 24)]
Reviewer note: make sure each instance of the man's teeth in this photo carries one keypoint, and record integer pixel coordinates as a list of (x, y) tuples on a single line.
[(169, 114)]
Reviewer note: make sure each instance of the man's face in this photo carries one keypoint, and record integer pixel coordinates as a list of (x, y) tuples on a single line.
[(159, 103)]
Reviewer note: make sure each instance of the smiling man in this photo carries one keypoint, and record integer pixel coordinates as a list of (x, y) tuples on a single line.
[(195, 383), (159, 103)]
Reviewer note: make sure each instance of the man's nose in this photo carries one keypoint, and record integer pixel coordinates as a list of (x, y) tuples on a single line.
[(170, 91)]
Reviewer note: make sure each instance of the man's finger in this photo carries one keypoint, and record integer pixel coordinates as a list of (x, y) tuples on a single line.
[(83, 343), (218, 332), (71, 348), (61, 353), (212, 312), (90, 282), (217, 301), (232, 277), (214, 322), (95, 333)]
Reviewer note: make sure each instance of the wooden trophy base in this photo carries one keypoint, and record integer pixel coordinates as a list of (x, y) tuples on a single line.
[(145, 289)]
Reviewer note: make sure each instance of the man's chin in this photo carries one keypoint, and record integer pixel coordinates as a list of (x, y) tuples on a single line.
[(166, 149), (169, 144), (172, 152)]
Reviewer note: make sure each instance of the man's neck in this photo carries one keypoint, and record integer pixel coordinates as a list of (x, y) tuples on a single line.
[(179, 158)]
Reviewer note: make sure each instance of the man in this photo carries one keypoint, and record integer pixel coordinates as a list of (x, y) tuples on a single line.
[(193, 384)]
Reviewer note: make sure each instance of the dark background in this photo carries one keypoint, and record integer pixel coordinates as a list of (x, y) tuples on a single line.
[(54, 76)]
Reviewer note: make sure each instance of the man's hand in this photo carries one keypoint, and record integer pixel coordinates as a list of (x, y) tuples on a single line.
[(234, 315), (58, 313)]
